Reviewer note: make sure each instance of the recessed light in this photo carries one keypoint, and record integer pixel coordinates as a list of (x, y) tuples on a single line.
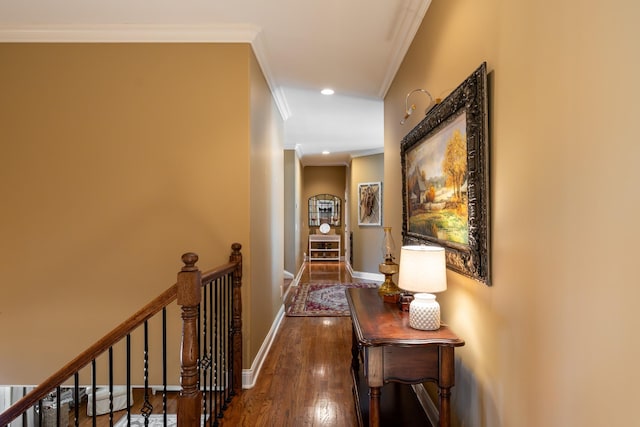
[(327, 91)]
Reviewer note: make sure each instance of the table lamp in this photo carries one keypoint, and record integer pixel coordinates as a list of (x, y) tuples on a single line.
[(423, 270)]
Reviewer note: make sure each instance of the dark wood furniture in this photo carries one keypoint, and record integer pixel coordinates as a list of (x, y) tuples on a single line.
[(392, 351)]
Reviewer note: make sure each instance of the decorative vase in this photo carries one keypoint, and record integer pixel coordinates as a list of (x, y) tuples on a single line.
[(424, 312)]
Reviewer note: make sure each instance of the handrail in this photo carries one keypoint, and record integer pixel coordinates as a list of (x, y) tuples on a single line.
[(219, 271), (119, 333), (84, 358)]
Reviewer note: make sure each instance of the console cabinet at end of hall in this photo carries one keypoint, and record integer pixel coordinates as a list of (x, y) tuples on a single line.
[(324, 247)]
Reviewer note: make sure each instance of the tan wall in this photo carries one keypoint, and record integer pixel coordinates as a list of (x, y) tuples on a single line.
[(267, 213), (367, 240), (321, 180), (556, 333), (115, 160)]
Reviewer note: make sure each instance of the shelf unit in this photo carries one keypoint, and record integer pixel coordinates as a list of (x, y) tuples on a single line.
[(324, 247)]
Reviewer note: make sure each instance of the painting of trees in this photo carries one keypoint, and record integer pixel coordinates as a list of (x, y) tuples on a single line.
[(454, 165), (436, 184), (445, 177)]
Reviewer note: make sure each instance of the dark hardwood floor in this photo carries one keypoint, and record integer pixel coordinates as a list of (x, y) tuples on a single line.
[(305, 380)]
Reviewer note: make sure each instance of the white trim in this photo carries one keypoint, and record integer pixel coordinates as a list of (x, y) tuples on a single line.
[(376, 277), (5, 398), (217, 33), (123, 33), (406, 28), (299, 275), (250, 376), (260, 52), (294, 282), (370, 152)]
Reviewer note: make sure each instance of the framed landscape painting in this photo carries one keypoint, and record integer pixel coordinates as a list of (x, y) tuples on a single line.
[(445, 179)]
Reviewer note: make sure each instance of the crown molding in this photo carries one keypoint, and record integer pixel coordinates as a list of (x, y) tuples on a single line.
[(229, 33), (406, 27), (364, 153), (128, 33), (278, 94)]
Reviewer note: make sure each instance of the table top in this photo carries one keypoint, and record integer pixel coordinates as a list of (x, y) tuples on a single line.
[(378, 323)]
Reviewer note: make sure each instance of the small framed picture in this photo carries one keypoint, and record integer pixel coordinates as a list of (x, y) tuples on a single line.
[(370, 203)]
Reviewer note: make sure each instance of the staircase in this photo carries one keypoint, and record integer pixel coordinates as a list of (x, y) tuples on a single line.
[(210, 308)]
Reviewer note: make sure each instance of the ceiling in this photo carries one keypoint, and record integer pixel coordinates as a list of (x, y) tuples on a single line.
[(352, 46)]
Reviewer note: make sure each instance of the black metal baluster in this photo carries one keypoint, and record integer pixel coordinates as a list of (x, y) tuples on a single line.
[(223, 346), (76, 398), (164, 364), (214, 352), (210, 415), (40, 409), (129, 402), (93, 392), (110, 386), (204, 358), (147, 407), (220, 334), (25, 419), (229, 353), (58, 411), (225, 353), (231, 330)]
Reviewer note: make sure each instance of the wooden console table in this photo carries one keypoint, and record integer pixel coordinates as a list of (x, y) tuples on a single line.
[(394, 352)]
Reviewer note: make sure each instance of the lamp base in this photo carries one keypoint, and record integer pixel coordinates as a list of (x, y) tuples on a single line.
[(424, 312)]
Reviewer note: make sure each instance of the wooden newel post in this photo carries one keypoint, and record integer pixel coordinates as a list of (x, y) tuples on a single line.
[(189, 295), (236, 326)]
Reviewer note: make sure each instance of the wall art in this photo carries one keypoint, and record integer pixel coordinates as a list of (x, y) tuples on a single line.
[(445, 179), (370, 203)]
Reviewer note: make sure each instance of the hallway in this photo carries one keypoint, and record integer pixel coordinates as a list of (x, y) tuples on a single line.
[(305, 380)]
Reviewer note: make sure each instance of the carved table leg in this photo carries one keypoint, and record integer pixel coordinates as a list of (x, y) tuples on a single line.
[(445, 382), (374, 406), (444, 409)]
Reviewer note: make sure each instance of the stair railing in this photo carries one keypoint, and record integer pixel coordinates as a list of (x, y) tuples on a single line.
[(210, 359)]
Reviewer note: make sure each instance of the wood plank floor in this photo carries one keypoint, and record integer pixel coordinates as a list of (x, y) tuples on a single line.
[(305, 380)]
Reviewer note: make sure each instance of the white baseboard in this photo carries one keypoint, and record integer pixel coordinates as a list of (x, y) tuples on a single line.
[(368, 276), (250, 376), (376, 277), (298, 276)]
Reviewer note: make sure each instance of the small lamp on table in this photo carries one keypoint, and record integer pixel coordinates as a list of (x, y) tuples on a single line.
[(388, 267), (423, 270)]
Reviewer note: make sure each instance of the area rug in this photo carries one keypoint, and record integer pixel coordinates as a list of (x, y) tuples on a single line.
[(322, 299)]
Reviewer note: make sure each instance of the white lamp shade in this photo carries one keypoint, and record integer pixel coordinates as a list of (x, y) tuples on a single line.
[(422, 269)]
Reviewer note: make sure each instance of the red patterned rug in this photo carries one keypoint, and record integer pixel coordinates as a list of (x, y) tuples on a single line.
[(322, 299)]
